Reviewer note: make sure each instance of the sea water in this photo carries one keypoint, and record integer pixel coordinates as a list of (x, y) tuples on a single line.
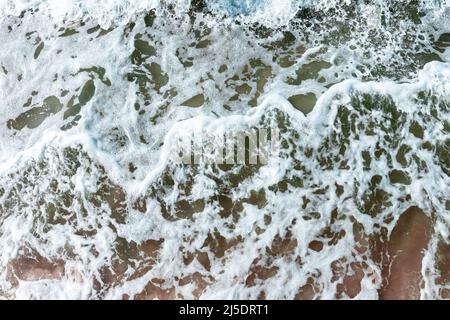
[(94, 93)]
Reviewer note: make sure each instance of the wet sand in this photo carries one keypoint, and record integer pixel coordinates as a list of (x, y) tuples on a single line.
[(399, 257), (34, 268), (403, 254)]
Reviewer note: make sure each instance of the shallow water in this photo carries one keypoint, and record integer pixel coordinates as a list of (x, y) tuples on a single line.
[(95, 94)]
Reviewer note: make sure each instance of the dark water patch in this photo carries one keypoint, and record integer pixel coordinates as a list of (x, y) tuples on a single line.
[(307, 71), (144, 48), (399, 177), (416, 129), (442, 43), (68, 32), (34, 117), (195, 102), (100, 72), (304, 102), (73, 108), (38, 50), (87, 92)]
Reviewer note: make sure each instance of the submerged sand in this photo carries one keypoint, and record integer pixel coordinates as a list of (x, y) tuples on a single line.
[(399, 256)]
